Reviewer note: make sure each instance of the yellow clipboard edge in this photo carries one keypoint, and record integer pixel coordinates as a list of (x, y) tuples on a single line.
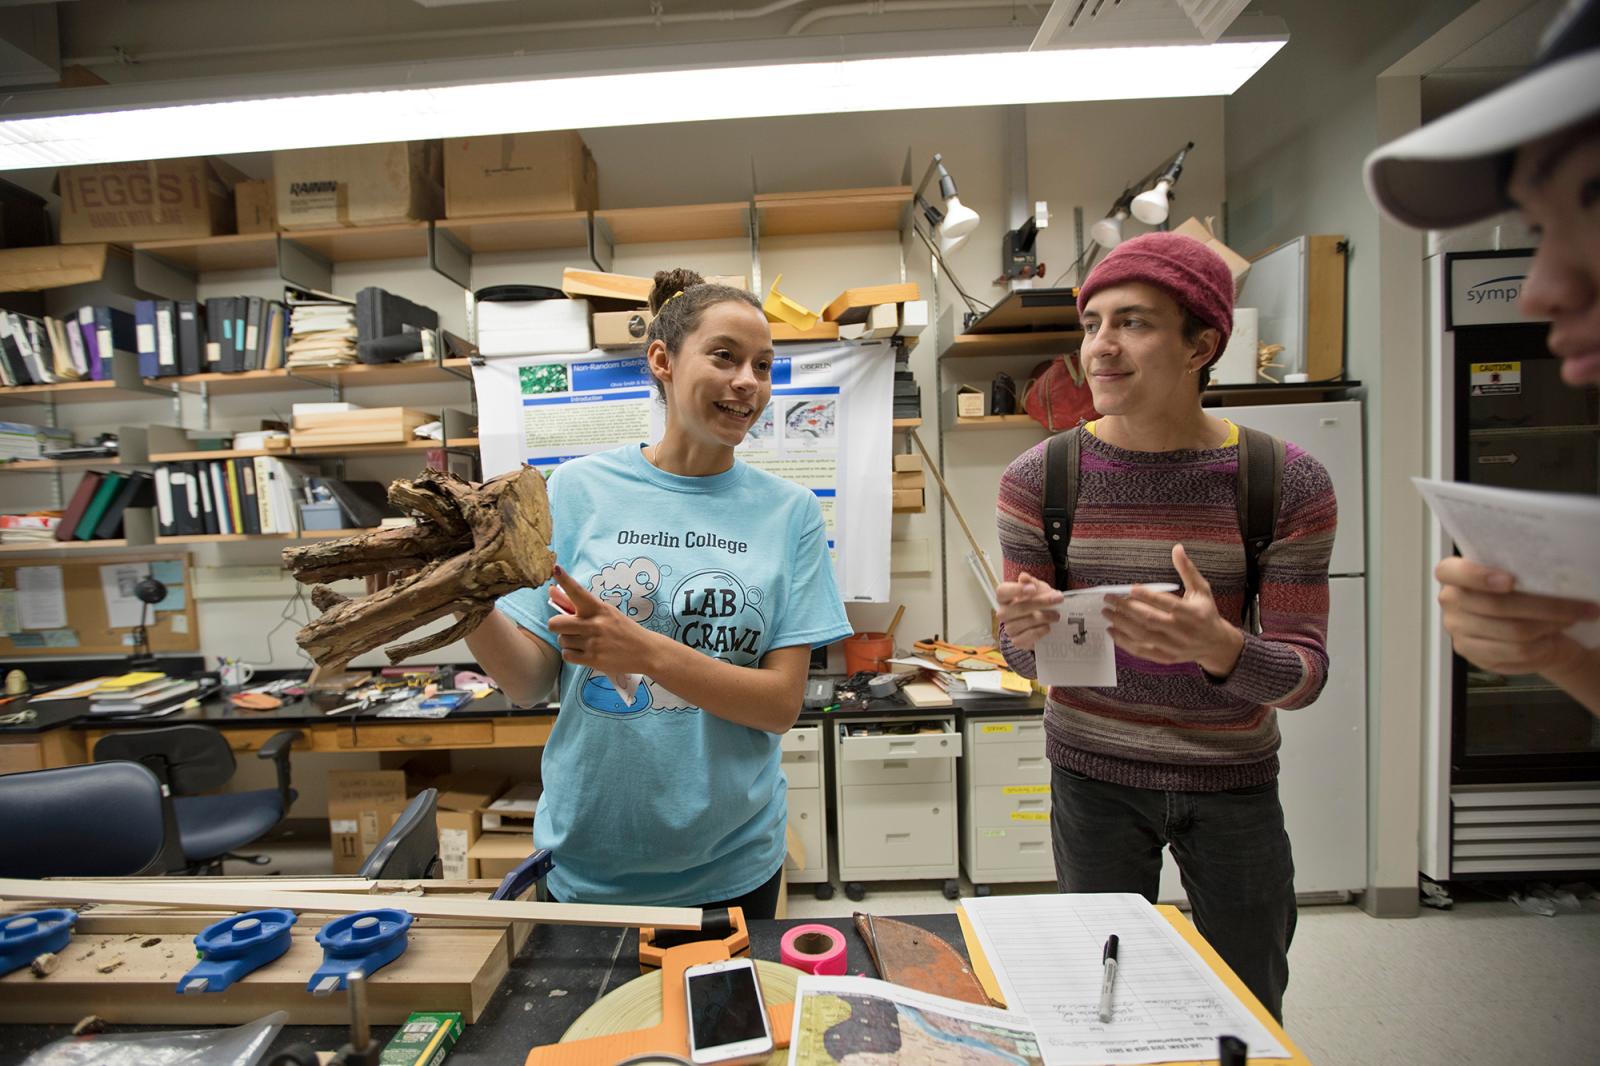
[(985, 975)]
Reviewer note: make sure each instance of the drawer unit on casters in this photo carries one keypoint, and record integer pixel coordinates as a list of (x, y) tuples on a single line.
[(1005, 802), (808, 813), (896, 799)]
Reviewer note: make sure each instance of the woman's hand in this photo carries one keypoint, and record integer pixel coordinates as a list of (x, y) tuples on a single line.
[(1026, 609), (1163, 627), (592, 632), (1504, 631)]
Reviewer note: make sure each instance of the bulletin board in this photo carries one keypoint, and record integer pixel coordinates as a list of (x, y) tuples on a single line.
[(30, 595)]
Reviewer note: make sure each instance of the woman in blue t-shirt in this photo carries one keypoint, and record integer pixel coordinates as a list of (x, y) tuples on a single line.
[(691, 589)]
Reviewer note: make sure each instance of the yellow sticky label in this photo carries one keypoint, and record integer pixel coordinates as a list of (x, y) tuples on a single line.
[(1000, 727), (1025, 790), (1490, 368), (1030, 816)]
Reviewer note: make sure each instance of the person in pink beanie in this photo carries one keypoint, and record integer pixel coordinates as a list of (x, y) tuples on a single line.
[(1181, 752)]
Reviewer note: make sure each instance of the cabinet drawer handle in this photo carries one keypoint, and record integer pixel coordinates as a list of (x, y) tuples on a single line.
[(895, 764), (414, 740), (897, 836), (902, 745), (1030, 760), (1030, 845), (1030, 803)]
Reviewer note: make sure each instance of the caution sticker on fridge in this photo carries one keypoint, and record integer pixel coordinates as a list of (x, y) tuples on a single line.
[(1496, 379)]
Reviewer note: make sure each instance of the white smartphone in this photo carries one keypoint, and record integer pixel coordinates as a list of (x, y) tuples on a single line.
[(727, 1016)]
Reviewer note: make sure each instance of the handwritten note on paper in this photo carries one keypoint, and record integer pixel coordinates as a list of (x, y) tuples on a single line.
[(1168, 1005), (1077, 651), (41, 601), (1547, 540)]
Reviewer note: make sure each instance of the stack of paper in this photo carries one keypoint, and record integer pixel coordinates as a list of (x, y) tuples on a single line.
[(36, 528), (143, 699), (322, 333)]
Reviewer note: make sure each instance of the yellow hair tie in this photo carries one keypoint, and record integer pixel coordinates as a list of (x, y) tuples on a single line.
[(674, 296)]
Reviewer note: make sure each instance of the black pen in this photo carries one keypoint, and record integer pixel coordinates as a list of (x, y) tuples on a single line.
[(1108, 958)]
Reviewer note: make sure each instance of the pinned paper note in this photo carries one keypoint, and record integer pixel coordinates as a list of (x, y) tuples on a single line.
[(41, 597), (1077, 651)]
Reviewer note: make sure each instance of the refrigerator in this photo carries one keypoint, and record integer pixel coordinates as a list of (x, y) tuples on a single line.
[(1323, 758), (1511, 764)]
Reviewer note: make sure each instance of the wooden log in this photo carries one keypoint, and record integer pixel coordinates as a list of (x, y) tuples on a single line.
[(472, 545), (70, 891)]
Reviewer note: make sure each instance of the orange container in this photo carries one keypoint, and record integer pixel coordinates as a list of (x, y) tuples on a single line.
[(867, 652)]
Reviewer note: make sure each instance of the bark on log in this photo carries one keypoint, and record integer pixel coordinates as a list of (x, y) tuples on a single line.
[(472, 545)]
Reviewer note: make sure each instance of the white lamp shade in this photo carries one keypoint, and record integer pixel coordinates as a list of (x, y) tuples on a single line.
[(1150, 206), (948, 244), (959, 220), (1107, 233)]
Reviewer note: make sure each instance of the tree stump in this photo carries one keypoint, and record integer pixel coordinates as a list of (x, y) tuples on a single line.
[(471, 545)]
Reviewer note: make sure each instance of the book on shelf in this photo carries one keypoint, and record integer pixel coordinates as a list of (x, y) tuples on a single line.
[(81, 496), (137, 490), (110, 485), (191, 337)]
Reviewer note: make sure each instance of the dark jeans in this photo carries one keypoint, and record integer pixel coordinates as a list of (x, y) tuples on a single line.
[(759, 902), (1232, 853)]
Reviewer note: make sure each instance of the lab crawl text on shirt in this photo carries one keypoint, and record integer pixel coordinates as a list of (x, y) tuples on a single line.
[(651, 800)]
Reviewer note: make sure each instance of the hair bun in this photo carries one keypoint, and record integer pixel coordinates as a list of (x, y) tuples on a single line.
[(669, 283)]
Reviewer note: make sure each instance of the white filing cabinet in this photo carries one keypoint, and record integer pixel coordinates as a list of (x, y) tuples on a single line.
[(808, 813), (1005, 802), (895, 793)]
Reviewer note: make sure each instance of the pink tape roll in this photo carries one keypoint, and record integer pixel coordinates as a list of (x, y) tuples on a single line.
[(813, 949)]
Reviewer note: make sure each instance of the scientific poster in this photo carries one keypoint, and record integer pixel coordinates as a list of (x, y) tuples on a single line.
[(828, 428)]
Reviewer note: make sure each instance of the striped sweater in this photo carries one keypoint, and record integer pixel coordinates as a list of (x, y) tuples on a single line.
[(1174, 727)]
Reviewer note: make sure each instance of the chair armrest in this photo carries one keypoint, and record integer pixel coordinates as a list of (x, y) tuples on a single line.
[(277, 749)]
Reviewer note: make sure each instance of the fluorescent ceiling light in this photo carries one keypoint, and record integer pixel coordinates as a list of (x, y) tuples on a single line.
[(589, 101)]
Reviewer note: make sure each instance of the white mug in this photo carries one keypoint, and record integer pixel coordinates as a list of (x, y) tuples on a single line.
[(236, 674)]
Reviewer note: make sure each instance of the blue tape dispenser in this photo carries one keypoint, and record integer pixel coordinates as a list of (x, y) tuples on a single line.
[(236, 946), (365, 941)]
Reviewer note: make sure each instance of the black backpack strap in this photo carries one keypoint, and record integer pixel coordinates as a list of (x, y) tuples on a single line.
[(1060, 497), (1259, 496)]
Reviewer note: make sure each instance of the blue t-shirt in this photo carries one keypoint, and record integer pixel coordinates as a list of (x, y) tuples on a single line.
[(654, 801)]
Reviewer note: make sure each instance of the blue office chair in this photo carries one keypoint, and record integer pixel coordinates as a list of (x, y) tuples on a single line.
[(193, 759), (95, 820), (410, 849)]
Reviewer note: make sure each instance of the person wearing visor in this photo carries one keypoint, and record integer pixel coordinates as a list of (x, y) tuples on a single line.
[(1532, 146)]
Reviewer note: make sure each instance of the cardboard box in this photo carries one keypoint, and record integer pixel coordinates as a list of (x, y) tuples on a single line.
[(909, 479), (519, 173), (1201, 231), (255, 209), (370, 425), (362, 805), (908, 500), (494, 855), (467, 792), (162, 199), (971, 402), (358, 185), (458, 831), (906, 462), (515, 809), (621, 329)]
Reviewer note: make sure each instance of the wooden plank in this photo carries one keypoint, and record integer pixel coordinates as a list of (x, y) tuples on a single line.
[(852, 305), (580, 283), (69, 891), (352, 244), (997, 422), (446, 969), (822, 331), (832, 211), (1039, 343), (520, 233), (233, 251), (50, 267), (691, 222)]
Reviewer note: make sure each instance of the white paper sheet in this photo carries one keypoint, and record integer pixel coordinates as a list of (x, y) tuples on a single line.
[(858, 1011), (41, 600), (123, 608), (1167, 1004), (1077, 651), (1549, 541)]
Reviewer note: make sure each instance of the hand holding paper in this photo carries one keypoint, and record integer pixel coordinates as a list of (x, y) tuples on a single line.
[(1165, 628), (1077, 651)]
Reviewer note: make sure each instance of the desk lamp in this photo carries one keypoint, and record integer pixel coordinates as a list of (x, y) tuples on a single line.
[(957, 221), (148, 591)]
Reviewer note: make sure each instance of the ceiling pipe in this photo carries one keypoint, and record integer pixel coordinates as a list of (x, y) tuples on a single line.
[(893, 7)]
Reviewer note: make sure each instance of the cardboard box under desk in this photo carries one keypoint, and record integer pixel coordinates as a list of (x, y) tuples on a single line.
[(358, 185), (362, 806), (519, 173), (458, 831), (162, 199)]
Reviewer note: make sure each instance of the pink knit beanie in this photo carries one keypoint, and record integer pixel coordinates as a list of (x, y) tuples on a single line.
[(1182, 267)]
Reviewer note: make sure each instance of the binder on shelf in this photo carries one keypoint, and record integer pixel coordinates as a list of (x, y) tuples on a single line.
[(241, 314), (166, 339), (91, 345), (166, 521), (17, 370), (216, 333), (136, 491), (81, 497), (277, 329), (201, 475), (381, 314), (114, 332), (253, 355), (249, 498), (110, 485), (191, 338), (144, 321)]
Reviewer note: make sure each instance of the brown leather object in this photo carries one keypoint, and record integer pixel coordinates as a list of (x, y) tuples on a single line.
[(909, 955)]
